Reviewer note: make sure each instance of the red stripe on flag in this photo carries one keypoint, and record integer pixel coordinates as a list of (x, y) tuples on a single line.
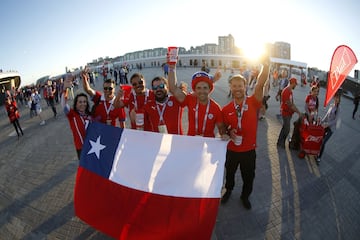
[(126, 213)]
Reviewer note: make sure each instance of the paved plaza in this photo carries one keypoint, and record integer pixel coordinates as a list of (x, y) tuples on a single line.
[(293, 198)]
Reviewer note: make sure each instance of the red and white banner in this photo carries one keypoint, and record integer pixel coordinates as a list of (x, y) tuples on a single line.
[(142, 185), (343, 60)]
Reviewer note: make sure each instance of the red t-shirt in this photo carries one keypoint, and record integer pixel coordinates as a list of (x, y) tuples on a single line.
[(78, 126), (286, 96), (249, 122), (311, 103), (12, 111), (172, 115), (138, 102), (213, 116), (105, 110)]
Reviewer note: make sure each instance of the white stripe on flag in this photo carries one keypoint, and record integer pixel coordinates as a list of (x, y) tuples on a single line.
[(171, 165)]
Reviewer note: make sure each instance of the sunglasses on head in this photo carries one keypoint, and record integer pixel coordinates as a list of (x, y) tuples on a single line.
[(160, 86), (140, 82), (108, 88)]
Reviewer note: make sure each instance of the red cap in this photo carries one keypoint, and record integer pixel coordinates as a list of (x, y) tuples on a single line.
[(293, 80)]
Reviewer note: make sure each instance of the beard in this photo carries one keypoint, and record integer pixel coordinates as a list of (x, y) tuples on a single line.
[(160, 97)]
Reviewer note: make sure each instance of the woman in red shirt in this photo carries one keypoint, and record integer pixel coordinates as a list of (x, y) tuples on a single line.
[(13, 114), (78, 116), (312, 104)]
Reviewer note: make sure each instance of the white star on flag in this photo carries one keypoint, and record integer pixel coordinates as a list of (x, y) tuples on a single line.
[(96, 147)]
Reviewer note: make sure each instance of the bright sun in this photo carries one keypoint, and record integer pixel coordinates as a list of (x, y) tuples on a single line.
[(253, 50)]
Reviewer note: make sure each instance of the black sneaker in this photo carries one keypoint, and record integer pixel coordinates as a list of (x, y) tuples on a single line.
[(246, 203), (226, 196)]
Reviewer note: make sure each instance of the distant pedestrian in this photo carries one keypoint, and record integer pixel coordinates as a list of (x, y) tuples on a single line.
[(229, 78), (51, 92), (166, 70), (266, 97), (115, 76), (36, 100), (356, 105), (329, 122), (13, 114)]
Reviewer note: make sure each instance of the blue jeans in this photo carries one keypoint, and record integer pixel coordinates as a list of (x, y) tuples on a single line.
[(285, 130)]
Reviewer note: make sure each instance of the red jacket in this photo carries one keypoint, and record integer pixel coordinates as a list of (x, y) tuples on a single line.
[(12, 111)]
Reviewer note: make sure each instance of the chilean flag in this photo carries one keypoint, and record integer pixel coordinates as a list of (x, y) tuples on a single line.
[(142, 185)]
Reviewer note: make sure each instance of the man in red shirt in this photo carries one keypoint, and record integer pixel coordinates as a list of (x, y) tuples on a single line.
[(203, 112), (240, 120), (140, 95), (164, 112), (287, 109), (105, 112)]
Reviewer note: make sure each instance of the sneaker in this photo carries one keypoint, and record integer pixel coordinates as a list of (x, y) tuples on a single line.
[(246, 203), (226, 196), (42, 123), (318, 161)]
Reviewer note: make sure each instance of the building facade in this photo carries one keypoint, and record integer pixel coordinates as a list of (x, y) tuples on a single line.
[(224, 54)]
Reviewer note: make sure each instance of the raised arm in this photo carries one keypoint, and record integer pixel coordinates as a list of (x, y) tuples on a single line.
[(262, 78), (66, 87), (174, 89), (86, 84), (118, 102)]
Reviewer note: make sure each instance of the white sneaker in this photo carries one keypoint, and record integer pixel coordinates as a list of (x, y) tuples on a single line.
[(42, 123)]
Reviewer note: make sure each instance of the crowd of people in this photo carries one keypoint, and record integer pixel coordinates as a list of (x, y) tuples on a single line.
[(161, 108)]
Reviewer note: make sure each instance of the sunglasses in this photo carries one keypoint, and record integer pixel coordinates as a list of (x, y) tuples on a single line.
[(108, 88), (160, 86), (140, 82)]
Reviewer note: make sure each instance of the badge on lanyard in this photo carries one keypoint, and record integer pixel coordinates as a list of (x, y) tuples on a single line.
[(162, 128)]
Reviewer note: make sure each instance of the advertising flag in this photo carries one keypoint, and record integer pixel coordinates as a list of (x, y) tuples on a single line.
[(343, 60), (138, 185)]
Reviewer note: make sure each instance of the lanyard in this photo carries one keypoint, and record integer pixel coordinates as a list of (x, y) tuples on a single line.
[(197, 117), (108, 109), (239, 112), (161, 114), (85, 119), (135, 99)]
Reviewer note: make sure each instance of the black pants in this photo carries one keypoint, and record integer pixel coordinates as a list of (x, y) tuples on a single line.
[(52, 104), (355, 109), (17, 127), (247, 162)]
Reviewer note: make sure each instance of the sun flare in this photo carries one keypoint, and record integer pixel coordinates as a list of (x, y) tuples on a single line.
[(253, 50)]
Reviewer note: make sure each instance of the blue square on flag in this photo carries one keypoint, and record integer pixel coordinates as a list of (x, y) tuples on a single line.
[(99, 148)]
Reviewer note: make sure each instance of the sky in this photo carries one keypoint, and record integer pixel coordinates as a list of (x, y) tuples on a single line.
[(42, 37)]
